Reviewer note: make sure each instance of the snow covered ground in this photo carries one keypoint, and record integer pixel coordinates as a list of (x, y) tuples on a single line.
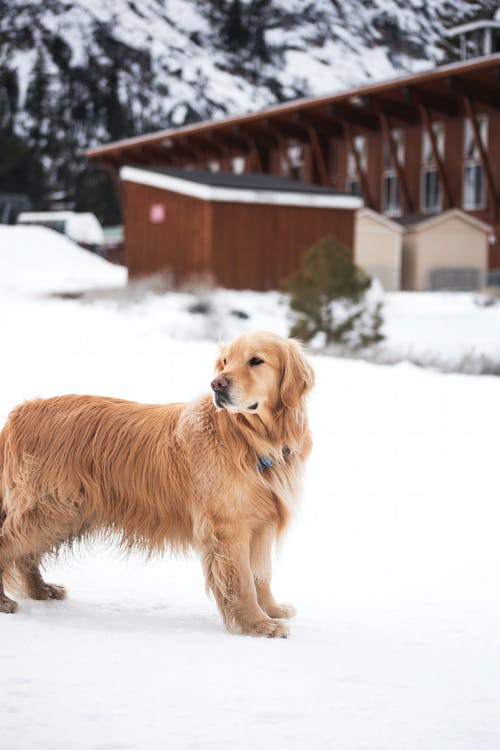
[(392, 562)]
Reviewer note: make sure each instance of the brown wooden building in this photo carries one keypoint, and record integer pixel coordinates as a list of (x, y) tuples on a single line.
[(416, 145), (245, 231)]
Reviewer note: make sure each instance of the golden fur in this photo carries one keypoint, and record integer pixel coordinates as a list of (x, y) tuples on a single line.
[(165, 476)]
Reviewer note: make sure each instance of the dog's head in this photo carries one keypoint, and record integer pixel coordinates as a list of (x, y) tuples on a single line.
[(261, 372)]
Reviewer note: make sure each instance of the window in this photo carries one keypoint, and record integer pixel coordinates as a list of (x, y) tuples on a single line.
[(391, 195), (430, 185), (474, 190), (431, 191), (293, 163), (238, 164), (353, 178)]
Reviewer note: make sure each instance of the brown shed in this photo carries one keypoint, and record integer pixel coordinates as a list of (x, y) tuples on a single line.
[(246, 231)]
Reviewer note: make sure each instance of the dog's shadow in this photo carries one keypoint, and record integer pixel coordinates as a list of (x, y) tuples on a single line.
[(119, 616)]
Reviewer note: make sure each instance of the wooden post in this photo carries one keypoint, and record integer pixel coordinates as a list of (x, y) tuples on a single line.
[(359, 167), (319, 156), (426, 119)]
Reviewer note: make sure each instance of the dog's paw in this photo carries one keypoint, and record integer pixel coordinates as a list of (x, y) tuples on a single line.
[(282, 611), (7, 605), (267, 628), (48, 591)]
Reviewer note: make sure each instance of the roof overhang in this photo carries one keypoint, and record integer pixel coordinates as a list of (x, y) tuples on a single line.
[(400, 97), (237, 195)]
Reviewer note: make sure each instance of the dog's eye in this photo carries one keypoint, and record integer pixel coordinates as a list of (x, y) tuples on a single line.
[(224, 362), (255, 361)]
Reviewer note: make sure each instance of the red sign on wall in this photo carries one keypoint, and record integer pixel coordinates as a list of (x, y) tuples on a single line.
[(157, 213)]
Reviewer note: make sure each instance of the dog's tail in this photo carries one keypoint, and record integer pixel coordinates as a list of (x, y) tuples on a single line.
[(2, 461)]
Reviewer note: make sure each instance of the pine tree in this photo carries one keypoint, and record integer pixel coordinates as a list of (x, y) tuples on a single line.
[(328, 295)]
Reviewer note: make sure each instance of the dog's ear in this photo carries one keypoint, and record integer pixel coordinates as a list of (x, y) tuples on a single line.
[(297, 375)]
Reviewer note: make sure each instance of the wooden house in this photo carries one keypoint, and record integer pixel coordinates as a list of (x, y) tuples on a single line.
[(417, 145)]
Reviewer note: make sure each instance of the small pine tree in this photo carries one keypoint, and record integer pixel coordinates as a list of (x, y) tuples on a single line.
[(328, 296)]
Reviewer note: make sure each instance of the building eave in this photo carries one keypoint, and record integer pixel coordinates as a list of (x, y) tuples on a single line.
[(167, 138), (237, 195)]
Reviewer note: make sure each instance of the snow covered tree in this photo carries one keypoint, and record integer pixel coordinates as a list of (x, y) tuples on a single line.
[(328, 295)]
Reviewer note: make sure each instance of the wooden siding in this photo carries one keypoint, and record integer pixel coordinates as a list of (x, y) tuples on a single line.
[(240, 245), (257, 246), (180, 244)]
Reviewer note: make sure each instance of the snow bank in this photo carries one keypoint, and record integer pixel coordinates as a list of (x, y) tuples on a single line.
[(40, 260), (435, 328)]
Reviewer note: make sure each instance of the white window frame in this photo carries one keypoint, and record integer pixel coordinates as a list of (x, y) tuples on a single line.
[(392, 206), (429, 166), (353, 183), (293, 164), (472, 163)]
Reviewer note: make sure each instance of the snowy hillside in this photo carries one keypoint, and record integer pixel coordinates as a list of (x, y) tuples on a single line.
[(181, 59), (392, 561), (73, 75)]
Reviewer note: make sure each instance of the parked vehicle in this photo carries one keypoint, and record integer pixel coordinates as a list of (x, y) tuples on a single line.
[(83, 228)]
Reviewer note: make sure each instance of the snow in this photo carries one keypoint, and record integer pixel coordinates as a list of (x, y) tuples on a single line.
[(42, 260), (392, 561)]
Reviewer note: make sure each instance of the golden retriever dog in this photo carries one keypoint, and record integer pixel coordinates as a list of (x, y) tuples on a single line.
[(219, 474)]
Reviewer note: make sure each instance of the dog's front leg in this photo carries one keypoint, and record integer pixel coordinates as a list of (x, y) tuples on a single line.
[(260, 557), (228, 573)]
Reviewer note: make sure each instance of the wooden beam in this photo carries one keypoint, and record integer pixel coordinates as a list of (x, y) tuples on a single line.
[(485, 162), (442, 103), (407, 203), (396, 110), (256, 132), (319, 156), (280, 127), (365, 190), (474, 91), (426, 119), (355, 115), (323, 124)]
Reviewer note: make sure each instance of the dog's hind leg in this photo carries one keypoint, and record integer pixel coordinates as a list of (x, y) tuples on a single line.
[(6, 604), (28, 573)]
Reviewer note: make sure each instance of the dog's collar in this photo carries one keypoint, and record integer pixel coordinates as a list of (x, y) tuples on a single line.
[(266, 463)]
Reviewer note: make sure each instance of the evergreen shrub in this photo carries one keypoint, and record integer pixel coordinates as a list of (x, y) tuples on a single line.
[(328, 297)]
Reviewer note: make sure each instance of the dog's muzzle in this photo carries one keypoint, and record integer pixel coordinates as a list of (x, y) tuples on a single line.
[(220, 386)]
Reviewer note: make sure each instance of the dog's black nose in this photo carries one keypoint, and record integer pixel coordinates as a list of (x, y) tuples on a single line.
[(220, 383)]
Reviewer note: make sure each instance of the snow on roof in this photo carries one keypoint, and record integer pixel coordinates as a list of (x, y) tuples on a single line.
[(240, 188)]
